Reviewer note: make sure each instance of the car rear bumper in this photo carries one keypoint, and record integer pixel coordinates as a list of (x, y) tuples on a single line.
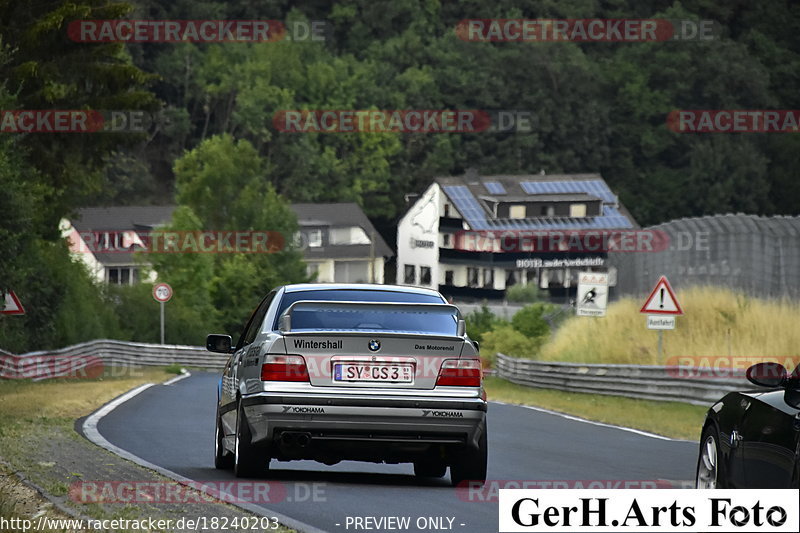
[(400, 421)]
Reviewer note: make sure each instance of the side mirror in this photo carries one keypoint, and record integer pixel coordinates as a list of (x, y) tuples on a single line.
[(461, 330), (792, 394), (792, 398), (770, 375), (219, 343), (285, 323)]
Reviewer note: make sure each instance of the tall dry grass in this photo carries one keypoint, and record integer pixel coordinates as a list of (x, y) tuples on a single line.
[(717, 322)]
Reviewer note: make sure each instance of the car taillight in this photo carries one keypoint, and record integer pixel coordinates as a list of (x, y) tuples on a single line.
[(285, 368), (460, 373)]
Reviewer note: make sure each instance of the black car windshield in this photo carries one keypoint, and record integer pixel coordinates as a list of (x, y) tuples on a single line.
[(383, 318)]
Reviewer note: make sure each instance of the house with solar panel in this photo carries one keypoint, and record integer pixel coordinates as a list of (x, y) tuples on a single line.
[(453, 236)]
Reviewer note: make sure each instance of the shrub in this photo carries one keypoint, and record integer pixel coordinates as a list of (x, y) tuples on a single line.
[(530, 322), (481, 321), (523, 294), (507, 340), (174, 368)]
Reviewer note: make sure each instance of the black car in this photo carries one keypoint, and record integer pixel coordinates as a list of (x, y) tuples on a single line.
[(752, 439)]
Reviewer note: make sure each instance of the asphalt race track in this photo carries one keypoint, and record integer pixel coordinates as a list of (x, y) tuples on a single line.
[(173, 427)]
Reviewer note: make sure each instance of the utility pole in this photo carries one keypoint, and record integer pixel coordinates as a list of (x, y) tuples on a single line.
[(372, 256)]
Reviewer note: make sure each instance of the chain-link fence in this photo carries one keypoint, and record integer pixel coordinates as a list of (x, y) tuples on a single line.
[(757, 255)]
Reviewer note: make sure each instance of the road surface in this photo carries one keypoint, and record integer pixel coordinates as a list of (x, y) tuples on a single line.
[(173, 427)]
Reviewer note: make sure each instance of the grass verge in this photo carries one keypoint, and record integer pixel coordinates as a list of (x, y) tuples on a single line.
[(670, 419), (26, 402), (29, 407), (718, 323), (37, 438)]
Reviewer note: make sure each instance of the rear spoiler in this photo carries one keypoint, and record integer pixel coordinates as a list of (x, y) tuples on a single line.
[(285, 321)]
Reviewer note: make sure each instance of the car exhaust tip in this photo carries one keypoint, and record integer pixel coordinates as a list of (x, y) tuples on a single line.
[(294, 439)]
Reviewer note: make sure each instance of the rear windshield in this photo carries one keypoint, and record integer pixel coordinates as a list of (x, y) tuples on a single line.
[(384, 320)]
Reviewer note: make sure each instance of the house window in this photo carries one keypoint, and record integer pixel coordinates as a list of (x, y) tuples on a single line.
[(351, 271), (517, 211), (312, 270), (315, 238), (472, 276), (122, 275), (409, 275), (448, 277), (488, 278), (446, 210), (548, 211), (511, 278), (447, 240), (577, 210), (424, 275)]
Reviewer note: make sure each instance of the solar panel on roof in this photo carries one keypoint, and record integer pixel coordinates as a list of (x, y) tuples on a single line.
[(494, 187), (467, 205), (594, 187), (476, 217)]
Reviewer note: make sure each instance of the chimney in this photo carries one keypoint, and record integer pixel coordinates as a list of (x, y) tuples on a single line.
[(411, 198), (471, 174)]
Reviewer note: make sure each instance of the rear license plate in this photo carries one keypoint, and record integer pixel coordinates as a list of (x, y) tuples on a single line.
[(373, 373)]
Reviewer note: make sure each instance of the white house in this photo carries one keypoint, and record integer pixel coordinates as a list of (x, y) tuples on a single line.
[(338, 241), (105, 238), (340, 244), (451, 237)]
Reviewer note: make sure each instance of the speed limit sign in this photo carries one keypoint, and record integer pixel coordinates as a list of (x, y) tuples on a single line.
[(162, 292)]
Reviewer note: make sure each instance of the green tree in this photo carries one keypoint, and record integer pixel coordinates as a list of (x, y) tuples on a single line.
[(222, 186), (63, 304), (44, 69)]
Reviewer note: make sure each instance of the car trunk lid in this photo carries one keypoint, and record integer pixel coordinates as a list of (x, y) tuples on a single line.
[(366, 344)]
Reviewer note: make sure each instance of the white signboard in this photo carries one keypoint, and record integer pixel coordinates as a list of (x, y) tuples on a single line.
[(660, 322), (592, 298)]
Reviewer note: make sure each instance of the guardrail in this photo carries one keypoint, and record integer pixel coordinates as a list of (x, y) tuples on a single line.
[(95, 354), (698, 386)]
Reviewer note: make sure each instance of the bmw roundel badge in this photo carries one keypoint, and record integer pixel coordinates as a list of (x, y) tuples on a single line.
[(374, 345)]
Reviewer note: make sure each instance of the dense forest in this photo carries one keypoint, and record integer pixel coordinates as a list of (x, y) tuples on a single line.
[(596, 107)]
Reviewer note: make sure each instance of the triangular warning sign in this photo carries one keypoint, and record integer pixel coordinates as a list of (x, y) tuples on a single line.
[(11, 305), (662, 300)]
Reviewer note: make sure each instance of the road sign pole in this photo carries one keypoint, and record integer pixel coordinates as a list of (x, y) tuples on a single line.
[(162, 322), (162, 294), (660, 345)]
